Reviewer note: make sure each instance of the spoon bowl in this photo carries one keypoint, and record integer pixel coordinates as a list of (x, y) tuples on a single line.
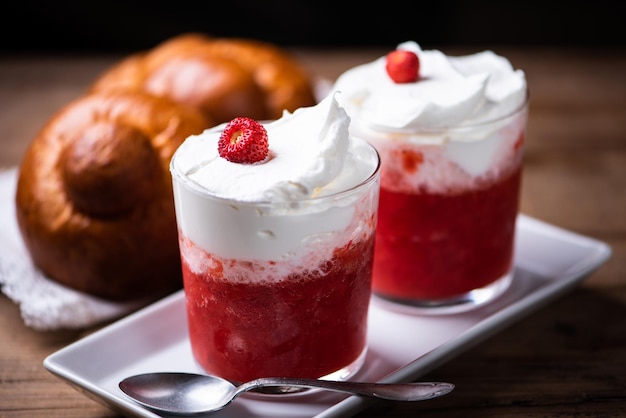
[(192, 394)]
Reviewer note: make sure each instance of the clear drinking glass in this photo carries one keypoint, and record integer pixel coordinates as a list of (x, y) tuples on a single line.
[(448, 206), (278, 289)]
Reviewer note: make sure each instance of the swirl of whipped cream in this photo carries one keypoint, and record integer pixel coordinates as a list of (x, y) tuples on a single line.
[(311, 155), (297, 204), (451, 91)]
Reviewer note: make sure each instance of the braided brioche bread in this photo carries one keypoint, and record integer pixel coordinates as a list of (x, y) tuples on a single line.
[(224, 78), (94, 199)]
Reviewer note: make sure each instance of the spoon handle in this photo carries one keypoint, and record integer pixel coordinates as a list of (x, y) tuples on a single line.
[(391, 391)]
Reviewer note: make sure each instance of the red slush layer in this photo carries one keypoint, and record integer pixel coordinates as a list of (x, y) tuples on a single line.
[(308, 324), (438, 246)]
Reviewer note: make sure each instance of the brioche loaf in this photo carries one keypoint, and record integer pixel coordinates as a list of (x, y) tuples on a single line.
[(94, 198)]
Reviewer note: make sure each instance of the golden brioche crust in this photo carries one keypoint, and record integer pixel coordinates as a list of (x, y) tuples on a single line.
[(224, 77), (94, 197)]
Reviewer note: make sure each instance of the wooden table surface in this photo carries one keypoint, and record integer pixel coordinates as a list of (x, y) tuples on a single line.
[(565, 359)]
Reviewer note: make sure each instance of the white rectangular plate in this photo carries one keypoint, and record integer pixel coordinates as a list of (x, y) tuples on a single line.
[(549, 261)]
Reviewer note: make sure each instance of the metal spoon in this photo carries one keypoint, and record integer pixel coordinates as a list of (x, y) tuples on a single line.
[(190, 394)]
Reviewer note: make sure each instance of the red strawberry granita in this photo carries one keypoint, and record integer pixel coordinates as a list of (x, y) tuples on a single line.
[(310, 322), (436, 246), (451, 148), (276, 229)]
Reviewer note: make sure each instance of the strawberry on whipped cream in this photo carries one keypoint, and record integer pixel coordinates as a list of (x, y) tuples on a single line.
[(451, 91)]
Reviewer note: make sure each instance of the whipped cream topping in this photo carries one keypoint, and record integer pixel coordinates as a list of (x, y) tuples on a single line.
[(286, 209), (311, 155), (465, 117), (451, 91)]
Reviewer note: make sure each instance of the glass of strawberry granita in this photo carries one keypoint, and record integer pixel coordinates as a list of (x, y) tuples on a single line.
[(277, 246), (450, 133)]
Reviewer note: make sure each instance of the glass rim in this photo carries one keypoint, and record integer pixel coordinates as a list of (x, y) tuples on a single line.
[(196, 188)]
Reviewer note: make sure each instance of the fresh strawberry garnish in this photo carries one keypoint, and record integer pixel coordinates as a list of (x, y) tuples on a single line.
[(243, 140), (403, 66)]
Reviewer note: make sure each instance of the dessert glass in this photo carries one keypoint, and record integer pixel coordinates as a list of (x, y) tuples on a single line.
[(450, 134), (260, 306), (446, 230)]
